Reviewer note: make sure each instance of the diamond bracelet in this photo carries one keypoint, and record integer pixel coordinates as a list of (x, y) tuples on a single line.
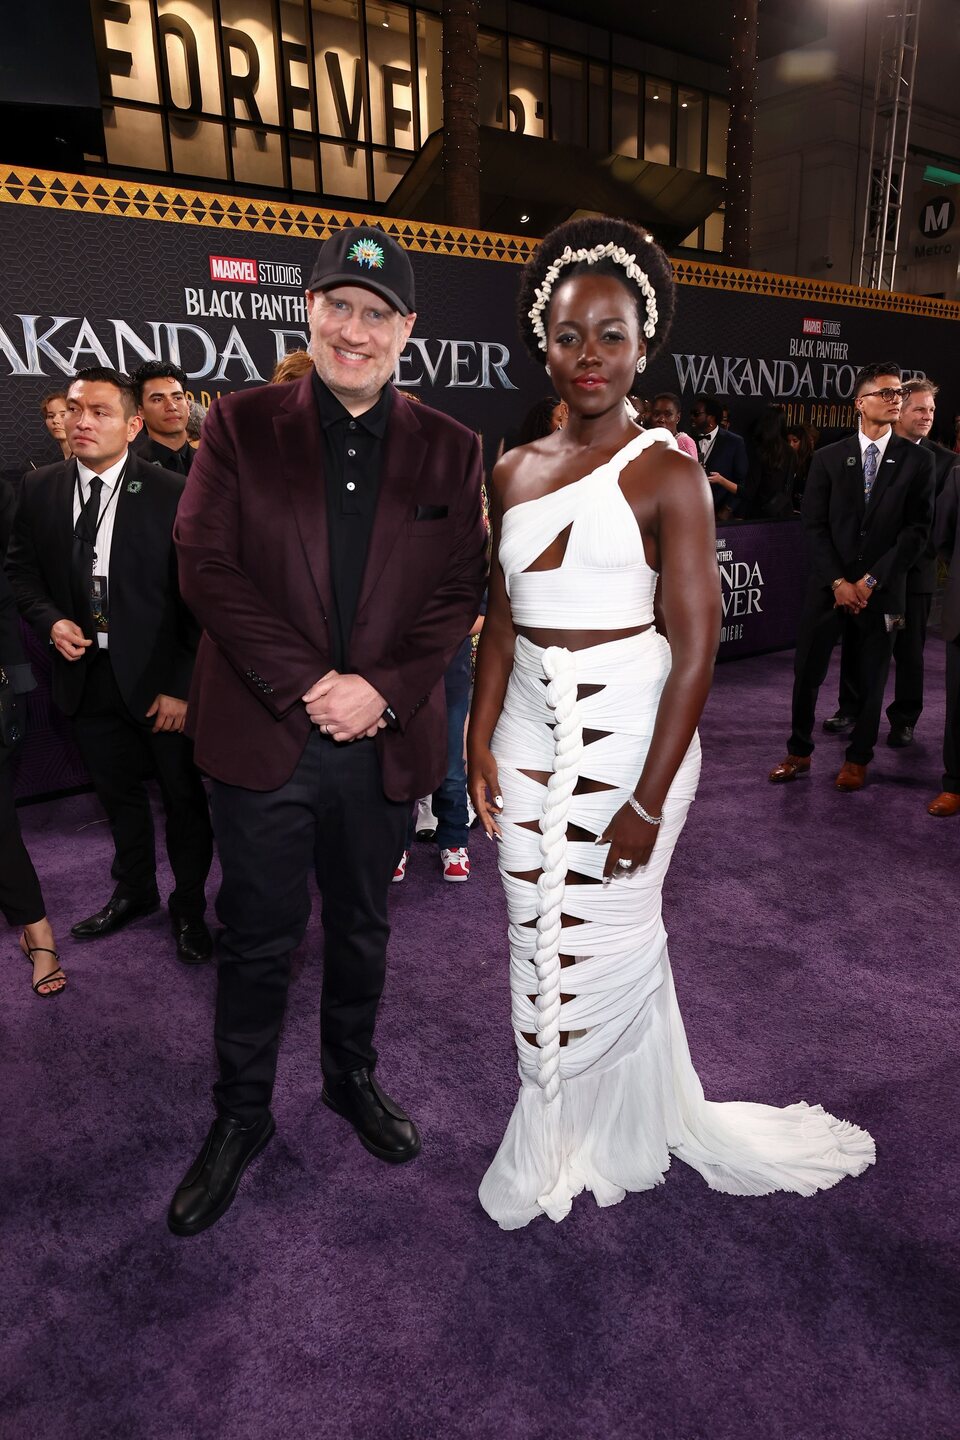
[(634, 804)]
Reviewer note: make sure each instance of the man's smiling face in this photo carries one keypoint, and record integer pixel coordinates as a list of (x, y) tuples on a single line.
[(356, 338)]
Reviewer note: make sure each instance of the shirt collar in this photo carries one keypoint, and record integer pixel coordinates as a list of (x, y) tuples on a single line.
[(109, 476), (710, 434), (332, 411), (881, 444)]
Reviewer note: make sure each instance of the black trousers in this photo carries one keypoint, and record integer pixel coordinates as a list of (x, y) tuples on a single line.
[(21, 900), (951, 729), (870, 645), (908, 647), (121, 752), (332, 818)]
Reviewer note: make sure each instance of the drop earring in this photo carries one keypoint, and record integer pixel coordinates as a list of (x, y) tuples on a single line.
[(548, 370), (641, 364)]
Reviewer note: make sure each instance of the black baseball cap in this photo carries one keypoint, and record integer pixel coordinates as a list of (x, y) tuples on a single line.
[(367, 256)]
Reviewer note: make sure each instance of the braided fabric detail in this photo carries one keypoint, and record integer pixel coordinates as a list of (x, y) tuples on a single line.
[(560, 669)]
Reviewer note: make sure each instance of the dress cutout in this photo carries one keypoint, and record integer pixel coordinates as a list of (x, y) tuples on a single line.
[(605, 1110)]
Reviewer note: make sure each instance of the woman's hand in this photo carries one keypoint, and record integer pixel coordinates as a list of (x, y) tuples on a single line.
[(483, 782), (630, 837)]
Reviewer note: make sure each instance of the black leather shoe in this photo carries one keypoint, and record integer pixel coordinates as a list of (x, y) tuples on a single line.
[(900, 737), (384, 1129), (194, 941), (206, 1191), (839, 724), (114, 915)]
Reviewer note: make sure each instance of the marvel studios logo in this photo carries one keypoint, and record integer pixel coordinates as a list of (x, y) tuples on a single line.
[(821, 327), (237, 270)]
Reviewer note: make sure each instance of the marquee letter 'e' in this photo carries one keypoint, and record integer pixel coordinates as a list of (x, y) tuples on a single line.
[(393, 115), (295, 97)]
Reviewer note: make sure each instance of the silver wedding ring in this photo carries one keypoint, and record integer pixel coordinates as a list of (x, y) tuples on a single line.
[(625, 864)]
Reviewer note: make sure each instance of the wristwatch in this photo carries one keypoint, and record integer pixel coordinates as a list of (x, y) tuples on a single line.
[(835, 584), (870, 581)]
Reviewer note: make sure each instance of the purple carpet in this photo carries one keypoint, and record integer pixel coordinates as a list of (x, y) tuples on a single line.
[(814, 941)]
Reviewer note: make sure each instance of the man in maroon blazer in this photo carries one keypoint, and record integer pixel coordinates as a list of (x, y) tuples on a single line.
[(332, 547)]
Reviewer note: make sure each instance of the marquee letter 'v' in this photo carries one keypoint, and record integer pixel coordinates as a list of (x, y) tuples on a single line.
[(349, 123)]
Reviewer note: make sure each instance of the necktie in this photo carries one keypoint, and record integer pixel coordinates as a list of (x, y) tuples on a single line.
[(871, 459), (86, 529)]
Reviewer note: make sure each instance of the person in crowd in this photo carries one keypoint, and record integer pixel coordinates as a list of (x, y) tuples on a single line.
[(722, 453), (665, 415), (725, 418), (947, 541), (8, 505), (53, 408), (93, 569), (861, 552), (448, 804), (164, 409), (914, 425), (330, 614), (584, 759), (768, 490), (294, 365), (803, 441), (21, 899), (196, 415)]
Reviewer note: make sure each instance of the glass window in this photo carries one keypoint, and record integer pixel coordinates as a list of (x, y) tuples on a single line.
[(599, 109), (134, 138), (133, 38), (390, 76), (430, 66), (566, 99), (692, 242), (295, 66), (527, 88), (719, 119), (626, 113), (657, 119), (197, 147), (343, 171), (713, 232), (339, 75), (492, 81), (689, 129), (303, 165), (257, 156), (249, 61), (388, 171), (188, 44)]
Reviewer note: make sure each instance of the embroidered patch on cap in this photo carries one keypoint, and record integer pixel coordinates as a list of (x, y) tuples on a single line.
[(368, 253)]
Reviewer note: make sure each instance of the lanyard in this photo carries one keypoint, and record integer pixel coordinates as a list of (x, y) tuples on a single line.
[(103, 513)]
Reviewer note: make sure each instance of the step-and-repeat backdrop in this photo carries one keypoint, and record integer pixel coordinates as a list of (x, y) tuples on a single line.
[(112, 273)]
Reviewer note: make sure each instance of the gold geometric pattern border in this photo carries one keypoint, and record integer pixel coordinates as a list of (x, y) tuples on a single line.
[(92, 195)]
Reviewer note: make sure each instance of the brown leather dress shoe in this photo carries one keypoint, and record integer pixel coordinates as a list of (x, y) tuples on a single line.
[(790, 769), (851, 777), (946, 804)]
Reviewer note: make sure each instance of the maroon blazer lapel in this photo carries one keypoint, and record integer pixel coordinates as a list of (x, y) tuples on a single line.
[(404, 451), (300, 442)]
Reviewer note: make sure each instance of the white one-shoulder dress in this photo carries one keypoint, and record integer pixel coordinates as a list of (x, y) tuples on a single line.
[(605, 1110)]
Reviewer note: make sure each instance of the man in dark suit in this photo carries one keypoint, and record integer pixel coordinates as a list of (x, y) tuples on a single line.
[(332, 546), (914, 425), (867, 509), (947, 541), (722, 452), (94, 571)]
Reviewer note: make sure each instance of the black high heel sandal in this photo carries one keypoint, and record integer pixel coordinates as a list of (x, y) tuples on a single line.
[(55, 974)]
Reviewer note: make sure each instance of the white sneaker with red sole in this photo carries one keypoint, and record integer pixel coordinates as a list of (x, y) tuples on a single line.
[(455, 864), (401, 869)]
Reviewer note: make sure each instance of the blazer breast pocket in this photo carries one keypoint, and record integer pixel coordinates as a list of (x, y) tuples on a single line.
[(430, 512)]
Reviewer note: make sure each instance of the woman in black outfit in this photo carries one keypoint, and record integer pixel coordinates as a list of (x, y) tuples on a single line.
[(769, 487), (802, 440), (21, 900)]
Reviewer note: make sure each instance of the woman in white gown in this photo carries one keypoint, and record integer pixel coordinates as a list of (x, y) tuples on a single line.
[(584, 758)]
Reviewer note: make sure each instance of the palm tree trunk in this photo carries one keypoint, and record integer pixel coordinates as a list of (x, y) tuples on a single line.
[(461, 113)]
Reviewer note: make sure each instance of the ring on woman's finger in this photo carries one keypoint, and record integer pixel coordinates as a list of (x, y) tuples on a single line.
[(625, 864)]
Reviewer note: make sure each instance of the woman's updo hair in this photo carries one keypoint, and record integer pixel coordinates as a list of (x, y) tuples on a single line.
[(587, 235)]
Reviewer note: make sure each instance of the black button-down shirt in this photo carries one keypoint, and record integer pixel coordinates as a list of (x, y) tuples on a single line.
[(156, 453), (352, 456)]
